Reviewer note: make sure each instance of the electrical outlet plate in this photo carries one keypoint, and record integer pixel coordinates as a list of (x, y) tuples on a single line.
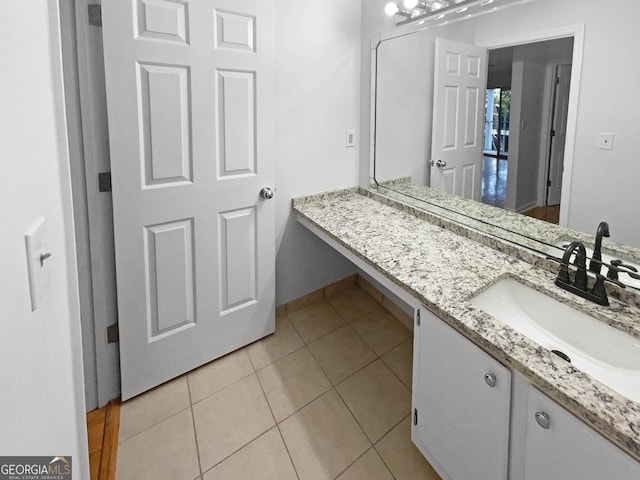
[(35, 240), (350, 139)]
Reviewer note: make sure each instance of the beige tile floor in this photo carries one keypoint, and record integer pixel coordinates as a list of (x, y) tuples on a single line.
[(327, 396)]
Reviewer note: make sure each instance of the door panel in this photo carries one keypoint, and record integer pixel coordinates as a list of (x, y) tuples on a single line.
[(450, 124), (459, 82), (164, 92), (238, 257), (471, 117), (162, 20), (190, 102), (236, 122), (235, 31), (169, 279), (468, 180)]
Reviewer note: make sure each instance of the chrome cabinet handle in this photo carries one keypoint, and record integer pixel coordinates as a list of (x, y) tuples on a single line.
[(438, 163), (490, 379), (266, 193), (543, 420)]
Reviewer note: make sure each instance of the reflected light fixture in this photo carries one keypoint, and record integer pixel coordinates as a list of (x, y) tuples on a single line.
[(392, 9), (434, 10)]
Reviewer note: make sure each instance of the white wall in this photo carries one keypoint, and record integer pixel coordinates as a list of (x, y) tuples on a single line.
[(42, 398), (317, 100), (527, 105), (605, 184)]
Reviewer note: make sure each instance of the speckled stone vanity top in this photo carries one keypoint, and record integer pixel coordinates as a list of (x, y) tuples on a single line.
[(526, 245), (511, 226), (444, 270)]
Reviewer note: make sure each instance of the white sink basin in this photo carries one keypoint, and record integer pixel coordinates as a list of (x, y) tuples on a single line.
[(606, 258), (605, 353)]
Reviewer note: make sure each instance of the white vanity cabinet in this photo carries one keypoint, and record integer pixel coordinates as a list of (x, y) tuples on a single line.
[(461, 399), (558, 445), (473, 419)]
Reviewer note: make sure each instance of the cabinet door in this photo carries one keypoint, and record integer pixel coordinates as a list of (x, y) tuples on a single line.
[(462, 421), (569, 449)]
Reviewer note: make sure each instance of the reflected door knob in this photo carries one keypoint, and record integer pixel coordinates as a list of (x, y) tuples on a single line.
[(438, 163), (266, 193)]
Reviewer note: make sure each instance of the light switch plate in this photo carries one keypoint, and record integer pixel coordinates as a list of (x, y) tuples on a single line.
[(35, 240), (605, 141)]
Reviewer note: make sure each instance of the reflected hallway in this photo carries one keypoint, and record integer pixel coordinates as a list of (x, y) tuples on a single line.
[(494, 181)]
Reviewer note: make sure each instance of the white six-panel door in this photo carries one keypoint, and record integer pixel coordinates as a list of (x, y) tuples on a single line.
[(190, 93), (460, 77)]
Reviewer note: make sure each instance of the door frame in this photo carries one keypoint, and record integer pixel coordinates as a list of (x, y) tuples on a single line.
[(96, 265), (577, 32), (547, 121)]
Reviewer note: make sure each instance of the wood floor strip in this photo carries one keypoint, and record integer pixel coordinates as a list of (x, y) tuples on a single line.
[(110, 441), (102, 429)]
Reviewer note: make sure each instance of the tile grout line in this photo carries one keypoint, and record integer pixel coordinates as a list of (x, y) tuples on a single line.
[(253, 439), (355, 420), (393, 371), (155, 424), (224, 388), (193, 421), (277, 424), (378, 452), (238, 449), (306, 404), (286, 447), (358, 458), (351, 374)]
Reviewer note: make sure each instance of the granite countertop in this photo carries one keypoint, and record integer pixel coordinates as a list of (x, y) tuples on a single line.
[(444, 270), (515, 227)]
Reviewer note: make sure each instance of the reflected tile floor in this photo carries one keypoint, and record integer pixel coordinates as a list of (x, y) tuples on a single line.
[(327, 396)]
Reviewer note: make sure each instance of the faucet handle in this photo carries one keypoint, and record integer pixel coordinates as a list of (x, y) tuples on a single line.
[(618, 267), (598, 288)]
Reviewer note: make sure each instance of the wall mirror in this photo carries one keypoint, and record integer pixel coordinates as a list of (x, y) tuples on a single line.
[(556, 125)]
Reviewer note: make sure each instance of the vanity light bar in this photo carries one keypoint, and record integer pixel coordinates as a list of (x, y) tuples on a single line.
[(439, 12)]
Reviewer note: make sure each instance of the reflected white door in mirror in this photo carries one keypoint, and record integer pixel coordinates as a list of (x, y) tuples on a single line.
[(458, 107)]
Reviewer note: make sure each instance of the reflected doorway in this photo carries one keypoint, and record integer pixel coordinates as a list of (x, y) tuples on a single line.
[(496, 124), (528, 88), (496, 146)]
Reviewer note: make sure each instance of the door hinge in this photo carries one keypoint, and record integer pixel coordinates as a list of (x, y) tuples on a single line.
[(418, 317), (557, 80), (113, 333), (553, 133), (548, 183), (104, 182), (415, 416), (95, 14)]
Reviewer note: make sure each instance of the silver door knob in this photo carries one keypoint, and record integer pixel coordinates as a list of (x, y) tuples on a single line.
[(543, 420), (490, 379), (438, 163), (266, 193)]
